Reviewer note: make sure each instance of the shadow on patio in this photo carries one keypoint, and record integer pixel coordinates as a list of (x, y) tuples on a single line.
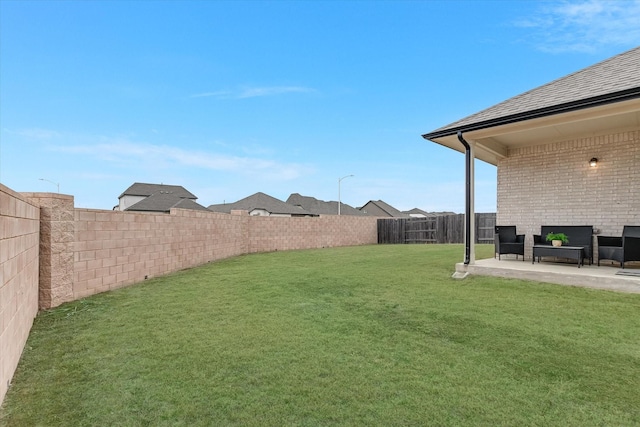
[(605, 277)]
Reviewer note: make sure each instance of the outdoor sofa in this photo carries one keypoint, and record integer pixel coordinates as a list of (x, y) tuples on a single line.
[(580, 236), (508, 242), (622, 249)]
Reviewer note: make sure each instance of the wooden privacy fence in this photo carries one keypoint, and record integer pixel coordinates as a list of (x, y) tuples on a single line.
[(435, 229)]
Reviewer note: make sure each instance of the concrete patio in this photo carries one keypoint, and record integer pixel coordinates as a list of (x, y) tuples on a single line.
[(588, 276)]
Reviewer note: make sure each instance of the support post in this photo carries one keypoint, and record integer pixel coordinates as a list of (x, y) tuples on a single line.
[(472, 203), (469, 215)]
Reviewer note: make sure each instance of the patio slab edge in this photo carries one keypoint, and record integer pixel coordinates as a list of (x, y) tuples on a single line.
[(545, 273)]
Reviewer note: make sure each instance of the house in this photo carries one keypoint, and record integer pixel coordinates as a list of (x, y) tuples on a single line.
[(382, 209), (261, 204), (419, 213), (567, 152), (320, 207), (142, 197)]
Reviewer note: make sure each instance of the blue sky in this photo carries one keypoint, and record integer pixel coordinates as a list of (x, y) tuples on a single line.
[(228, 98)]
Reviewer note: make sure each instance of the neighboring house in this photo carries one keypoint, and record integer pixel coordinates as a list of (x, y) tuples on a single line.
[(543, 141), (142, 197), (419, 213), (382, 209), (320, 207), (261, 204)]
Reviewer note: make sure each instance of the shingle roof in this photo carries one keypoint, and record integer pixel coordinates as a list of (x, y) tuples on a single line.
[(417, 211), (190, 204), (321, 207), (616, 78), (163, 202), (260, 201), (142, 189), (387, 208)]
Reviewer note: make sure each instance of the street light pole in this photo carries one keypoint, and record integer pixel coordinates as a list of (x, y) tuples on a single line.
[(339, 181), (54, 183)]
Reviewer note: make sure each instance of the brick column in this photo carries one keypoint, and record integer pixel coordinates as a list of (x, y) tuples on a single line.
[(56, 247), (244, 227)]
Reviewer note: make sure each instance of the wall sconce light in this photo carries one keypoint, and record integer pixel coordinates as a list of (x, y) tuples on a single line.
[(593, 162)]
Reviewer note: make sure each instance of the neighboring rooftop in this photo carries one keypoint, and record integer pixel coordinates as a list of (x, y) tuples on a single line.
[(415, 212), (143, 189), (264, 202), (163, 202), (142, 197), (380, 208), (320, 207)]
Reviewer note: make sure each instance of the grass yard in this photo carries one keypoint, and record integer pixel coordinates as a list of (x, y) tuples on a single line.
[(358, 336)]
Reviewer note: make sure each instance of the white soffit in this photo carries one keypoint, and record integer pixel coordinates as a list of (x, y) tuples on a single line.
[(492, 143)]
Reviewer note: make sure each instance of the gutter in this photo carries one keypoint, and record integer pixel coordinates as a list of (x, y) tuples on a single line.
[(624, 95), (467, 209)]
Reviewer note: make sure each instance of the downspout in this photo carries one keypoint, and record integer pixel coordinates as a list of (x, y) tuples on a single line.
[(467, 214)]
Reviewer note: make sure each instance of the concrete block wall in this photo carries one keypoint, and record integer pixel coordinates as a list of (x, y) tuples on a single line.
[(553, 184), (57, 227), (51, 252), (270, 234), (19, 268), (114, 249)]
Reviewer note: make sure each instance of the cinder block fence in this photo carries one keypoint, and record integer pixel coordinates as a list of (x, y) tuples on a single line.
[(19, 264), (51, 252)]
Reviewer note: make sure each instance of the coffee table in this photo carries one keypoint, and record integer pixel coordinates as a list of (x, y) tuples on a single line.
[(571, 252)]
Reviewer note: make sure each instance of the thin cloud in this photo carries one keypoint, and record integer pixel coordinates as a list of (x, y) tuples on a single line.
[(124, 152), (218, 94), (254, 92), (584, 26), (270, 91), (35, 133)]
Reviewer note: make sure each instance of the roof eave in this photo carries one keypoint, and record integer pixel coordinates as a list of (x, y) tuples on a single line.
[(614, 97)]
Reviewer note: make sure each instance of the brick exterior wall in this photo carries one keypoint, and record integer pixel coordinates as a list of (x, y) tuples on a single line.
[(86, 251), (114, 249), (553, 184), (270, 234), (56, 247), (19, 260)]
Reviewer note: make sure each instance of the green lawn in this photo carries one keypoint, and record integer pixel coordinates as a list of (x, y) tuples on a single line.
[(358, 336)]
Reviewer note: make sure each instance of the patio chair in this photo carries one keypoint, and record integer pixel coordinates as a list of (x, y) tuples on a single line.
[(622, 249), (508, 242)]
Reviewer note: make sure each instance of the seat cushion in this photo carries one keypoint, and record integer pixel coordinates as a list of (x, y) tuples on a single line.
[(610, 252)]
